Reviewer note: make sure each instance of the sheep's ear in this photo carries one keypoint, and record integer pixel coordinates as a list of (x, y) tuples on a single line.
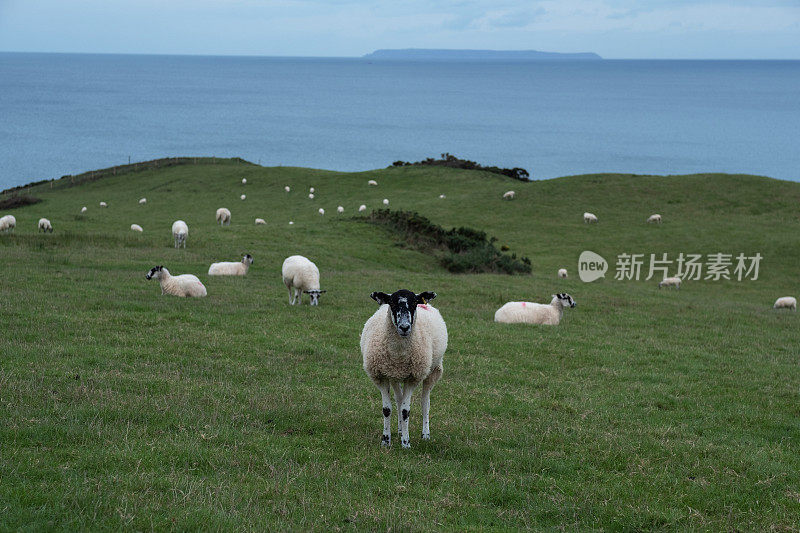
[(380, 297), (426, 296)]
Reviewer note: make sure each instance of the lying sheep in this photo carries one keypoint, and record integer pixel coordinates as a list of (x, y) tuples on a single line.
[(179, 232), (441, 197), (260, 222), (402, 345), (244, 196), (300, 275), (362, 208), (321, 211), (562, 273), (311, 196), (244, 181), (789, 302), (103, 204), (185, 285), (83, 209), (533, 313), (142, 201), (385, 201), (670, 282), (589, 218), (509, 195), (340, 209), (136, 227), (8, 223), (287, 188), (45, 226), (372, 182), (223, 216), (231, 268), (654, 218), (311, 190)]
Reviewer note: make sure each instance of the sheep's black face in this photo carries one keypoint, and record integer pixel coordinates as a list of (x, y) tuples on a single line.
[(154, 272), (566, 299), (314, 294), (403, 307)]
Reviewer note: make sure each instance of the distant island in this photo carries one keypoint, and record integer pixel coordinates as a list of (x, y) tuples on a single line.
[(476, 55)]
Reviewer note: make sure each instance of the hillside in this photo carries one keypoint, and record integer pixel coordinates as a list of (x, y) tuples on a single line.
[(644, 409)]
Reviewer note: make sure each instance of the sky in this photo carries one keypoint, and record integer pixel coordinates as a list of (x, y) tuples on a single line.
[(659, 29)]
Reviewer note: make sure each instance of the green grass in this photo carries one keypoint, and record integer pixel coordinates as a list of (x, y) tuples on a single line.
[(643, 410)]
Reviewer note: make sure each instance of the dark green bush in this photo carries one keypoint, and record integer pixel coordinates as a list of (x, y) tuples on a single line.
[(452, 161)]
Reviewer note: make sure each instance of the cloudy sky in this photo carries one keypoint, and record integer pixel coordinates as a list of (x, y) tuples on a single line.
[(611, 28)]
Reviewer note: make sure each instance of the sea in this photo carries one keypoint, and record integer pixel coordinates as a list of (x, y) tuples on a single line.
[(67, 113)]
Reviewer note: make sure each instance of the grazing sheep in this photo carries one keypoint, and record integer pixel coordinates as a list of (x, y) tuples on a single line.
[(340, 209), (142, 201), (290, 222), (311, 190), (136, 227), (44, 225), (287, 188), (231, 268), (223, 216), (183, 285), (300, 275), (103, 204), (589, 218), (179, 232), (321, 211), (670, 282), (243, 196), (533, 313), (244, 181), (509, 195), (402, 345), (362, 208), (441, 196), (83, 209), (8, 223), (562, 273), (654, 218), (789, 302), (260, 222), (311, 196), (372, 182), (385, 201)]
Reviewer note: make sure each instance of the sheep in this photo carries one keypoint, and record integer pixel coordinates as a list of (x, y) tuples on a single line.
[(533, 313), (340, 209), (321, 211), (562, 273), (509, 195), (8, 223), (179, 232), (789, 302), (44, 225), (589, 218), (291, 223), (670, 282), (224, 216), (385, 201), (442, 197), (260, 222), (83, 209), (311, 190), (362, 208), (142, 201), (231, 268), (242, 197), (402, 345), (311, 196), (103, 204), (183, 285), (287, 188), (654, 218), (136, 227), (372, 182), (244, 181), (300, 275)]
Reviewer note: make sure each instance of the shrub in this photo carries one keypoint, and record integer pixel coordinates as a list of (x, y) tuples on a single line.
[(452, 161)]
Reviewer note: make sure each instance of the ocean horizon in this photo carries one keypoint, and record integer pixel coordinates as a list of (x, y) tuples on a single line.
[(68, 113)]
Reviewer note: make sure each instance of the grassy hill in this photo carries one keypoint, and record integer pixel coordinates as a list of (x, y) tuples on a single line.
[(645, 409)]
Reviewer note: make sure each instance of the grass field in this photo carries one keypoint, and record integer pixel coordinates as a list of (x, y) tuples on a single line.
[(644, 409)]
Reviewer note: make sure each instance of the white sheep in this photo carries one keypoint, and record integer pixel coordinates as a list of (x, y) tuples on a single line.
[(179, 232), (442, 197), (142, 201), (231, 268), (385, 201), (260, 222), (533, 313), (44, 225), (362, 208), (654, 218), (223, 216), (185, 285), (789, 302), (402, 345), (8, 223), (103, 204), (509, 195), (242, 197), (562, 273), (300, 275), (372, 182), (311, 190), (83, 209), (244, 181), (321, 211), (340, 209), (311, 196), (670, 282), (291, 223), (136, 227), (589, 218), (287, 188)]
